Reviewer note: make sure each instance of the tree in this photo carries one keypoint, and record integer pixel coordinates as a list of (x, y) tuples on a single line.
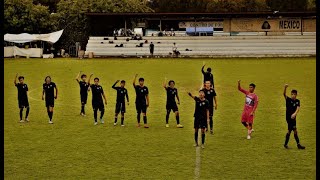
[(287, 5), (23, 16)]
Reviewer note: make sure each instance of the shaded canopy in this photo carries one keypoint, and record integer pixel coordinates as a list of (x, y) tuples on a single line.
[(25, 37)]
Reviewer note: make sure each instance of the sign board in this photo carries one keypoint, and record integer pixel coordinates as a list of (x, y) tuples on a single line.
[(214, 24)]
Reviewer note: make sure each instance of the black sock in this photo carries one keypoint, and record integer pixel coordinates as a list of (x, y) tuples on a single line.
[(196, 137), (27, 112), (101, 114), (82, 109), (178, 119), (21, 111), (297, 138), (95, 114), (287, 138), (203, 137), (50, 115), (211, 123), (122, 119), (115, 119), (167, 117), (145, 119), (138, 117)]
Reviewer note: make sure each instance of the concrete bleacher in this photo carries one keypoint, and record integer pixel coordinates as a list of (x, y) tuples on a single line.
[(206, 46)]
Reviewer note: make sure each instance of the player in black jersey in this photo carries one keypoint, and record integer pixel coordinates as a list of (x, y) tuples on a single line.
[(207, 76), (210, 95), (84, 88), (97, 101), (292, 109), (122, 93), (201, 116), (172, 93), (142, 100), (48, 91), (22, 97)]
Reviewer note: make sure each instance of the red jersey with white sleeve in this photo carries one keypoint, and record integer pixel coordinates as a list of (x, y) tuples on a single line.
[(251, 103)]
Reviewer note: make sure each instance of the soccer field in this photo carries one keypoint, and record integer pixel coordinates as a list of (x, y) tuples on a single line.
[(73, 148)]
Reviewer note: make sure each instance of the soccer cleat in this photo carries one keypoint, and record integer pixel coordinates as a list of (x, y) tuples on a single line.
[(114, 124), (95, 123), (102, 121), (179, 126), (81, 114), (211, 131), (167, 125), (202, 146), (248, 137), (138, 125), (286, 146), (300, 146), (146, 126), (122, 125), (195, 145), (50, 122), (27, 120), (21, 121)]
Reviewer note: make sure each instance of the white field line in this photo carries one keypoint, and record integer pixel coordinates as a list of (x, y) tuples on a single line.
[(198, 164)]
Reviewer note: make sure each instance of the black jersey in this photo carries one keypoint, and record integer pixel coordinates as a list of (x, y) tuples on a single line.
[(22, 91), (208, 76), (97, 91), (171, 95), (49, 90), (201, 108), (209, 95), (84, 86), (121, 93), (291, 106), (141, 93)]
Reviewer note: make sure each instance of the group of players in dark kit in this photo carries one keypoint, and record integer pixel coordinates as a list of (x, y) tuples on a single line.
[(205, 103)]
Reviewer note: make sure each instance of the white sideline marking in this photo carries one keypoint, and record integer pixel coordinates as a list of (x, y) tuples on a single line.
[(198, 164)]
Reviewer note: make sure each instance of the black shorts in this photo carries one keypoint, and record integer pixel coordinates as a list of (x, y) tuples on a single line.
[(23, 103), (98, 106), (50, 102), (200, 123), (141, 108), (84, 98), (172, 106), (291, 124), (120, 106)]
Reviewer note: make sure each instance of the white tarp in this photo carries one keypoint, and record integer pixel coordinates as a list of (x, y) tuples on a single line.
[(25, 37), (12, 51)]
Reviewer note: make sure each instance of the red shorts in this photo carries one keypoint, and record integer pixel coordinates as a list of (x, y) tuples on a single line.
[(246, 117)]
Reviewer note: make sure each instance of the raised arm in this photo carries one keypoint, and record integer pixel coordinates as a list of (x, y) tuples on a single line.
[(165, 83), (189, 93), (77, 78), (90, 78), (202, 69), (15, 79), (285, 91), (114, 85), (240, 89), (134, 80)]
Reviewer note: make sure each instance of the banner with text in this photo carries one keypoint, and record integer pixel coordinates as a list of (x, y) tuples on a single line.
[(214, 24)]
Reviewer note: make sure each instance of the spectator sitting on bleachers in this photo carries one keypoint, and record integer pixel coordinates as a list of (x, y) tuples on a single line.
[(140, 45), (121, 45), (110, 42), (175, 49), (146, 41), (115, 38), (127, 39)]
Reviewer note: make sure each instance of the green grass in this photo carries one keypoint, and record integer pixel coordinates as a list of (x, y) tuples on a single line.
[(73, 148)]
